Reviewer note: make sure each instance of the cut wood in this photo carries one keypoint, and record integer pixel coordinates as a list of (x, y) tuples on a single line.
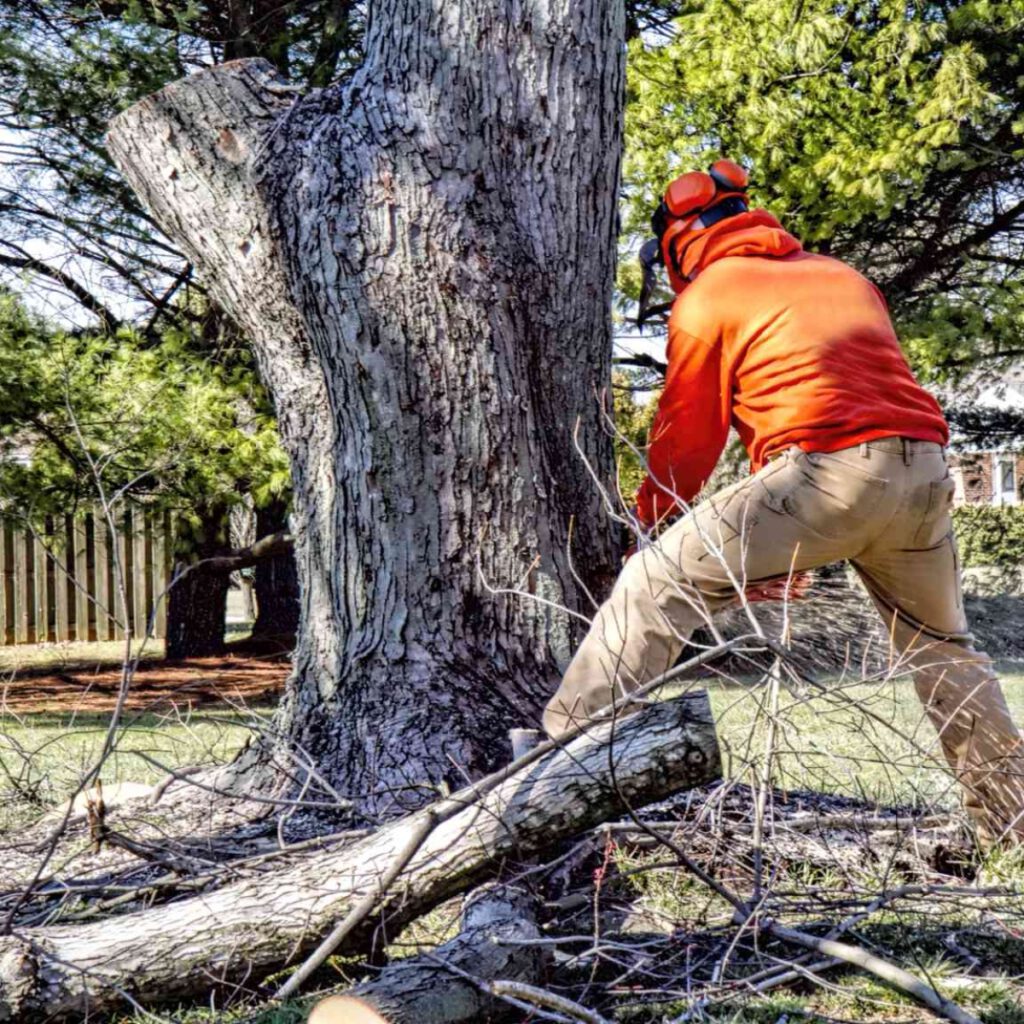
[(249, 929), (441, 987)]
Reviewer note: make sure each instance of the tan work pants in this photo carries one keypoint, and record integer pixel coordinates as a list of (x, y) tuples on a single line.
[(882, 505)]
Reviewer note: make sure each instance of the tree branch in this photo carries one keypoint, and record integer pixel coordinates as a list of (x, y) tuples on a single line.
[(266, 547), (84, 296)]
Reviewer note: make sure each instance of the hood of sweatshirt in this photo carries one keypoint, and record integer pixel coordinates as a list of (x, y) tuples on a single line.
[(754, 233)]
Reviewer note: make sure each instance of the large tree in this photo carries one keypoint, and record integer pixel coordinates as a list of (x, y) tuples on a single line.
[(422, 259)]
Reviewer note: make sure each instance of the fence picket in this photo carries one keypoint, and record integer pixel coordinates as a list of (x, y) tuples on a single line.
[(25, 570), (78, 555), (7, 609), (60, 585)]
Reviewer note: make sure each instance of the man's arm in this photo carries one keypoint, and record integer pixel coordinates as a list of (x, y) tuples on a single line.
[(689, 430)]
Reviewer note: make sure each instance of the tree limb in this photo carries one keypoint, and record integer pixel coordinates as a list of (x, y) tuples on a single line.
[(272, 544)]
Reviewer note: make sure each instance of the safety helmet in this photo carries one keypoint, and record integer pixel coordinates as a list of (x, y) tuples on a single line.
[(692, 202)]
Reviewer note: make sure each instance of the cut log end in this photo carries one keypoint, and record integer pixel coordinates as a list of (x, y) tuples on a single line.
[(345, 1010)]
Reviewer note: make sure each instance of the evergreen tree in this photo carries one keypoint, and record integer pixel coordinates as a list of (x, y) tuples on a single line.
[(157, 424), (888, 134)]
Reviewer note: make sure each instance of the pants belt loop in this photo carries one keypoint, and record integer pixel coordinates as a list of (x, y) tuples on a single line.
[(906, 451), (865, 452)]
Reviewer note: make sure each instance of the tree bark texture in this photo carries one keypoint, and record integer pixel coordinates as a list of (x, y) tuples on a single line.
[(197, 603), (246, 930), (276, 582), (423, 259)]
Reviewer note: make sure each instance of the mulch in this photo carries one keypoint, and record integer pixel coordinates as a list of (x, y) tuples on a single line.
[(156, 686)]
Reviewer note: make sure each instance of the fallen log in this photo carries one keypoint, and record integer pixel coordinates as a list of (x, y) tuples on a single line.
[(249, 929), (449, 985)]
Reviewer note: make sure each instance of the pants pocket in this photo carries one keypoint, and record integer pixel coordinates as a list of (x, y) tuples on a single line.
[(829, 497), (715, 531), (935, 503)]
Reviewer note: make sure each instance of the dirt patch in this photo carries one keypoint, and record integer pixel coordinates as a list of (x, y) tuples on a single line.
[(156, 686)]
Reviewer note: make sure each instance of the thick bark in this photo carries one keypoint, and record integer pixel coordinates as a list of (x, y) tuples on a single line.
[(277, 582), (246, 930), (197, 603), (423, 260)]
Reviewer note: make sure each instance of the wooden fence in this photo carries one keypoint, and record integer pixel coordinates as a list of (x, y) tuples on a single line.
[(61, 584)]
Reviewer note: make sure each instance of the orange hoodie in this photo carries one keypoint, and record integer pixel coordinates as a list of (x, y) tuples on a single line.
[(789, 347)]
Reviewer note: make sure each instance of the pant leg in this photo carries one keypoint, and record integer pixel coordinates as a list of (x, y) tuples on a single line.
[(792, 515), (912, 573)]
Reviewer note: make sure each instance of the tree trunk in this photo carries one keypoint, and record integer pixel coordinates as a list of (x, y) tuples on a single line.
[(250, 928), (276, 583), (423, 259), (197, 603)]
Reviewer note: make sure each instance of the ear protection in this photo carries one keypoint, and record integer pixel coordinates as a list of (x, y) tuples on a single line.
[(691, 202), (695, 201)]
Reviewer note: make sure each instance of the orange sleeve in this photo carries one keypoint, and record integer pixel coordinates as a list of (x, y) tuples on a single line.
[(689, 431)]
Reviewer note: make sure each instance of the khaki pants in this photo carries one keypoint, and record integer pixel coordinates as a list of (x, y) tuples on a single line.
[(885, 507)]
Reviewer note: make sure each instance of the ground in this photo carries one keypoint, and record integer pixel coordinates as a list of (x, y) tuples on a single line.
[(56, 704), (865, 740), (76, 688)]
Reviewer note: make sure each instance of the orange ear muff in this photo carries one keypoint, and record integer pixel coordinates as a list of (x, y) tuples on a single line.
[(689, 193), (729, 176)]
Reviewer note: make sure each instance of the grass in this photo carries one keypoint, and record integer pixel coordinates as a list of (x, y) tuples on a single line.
[(869, 740), (71, 654), (43, 757), (68, 654)]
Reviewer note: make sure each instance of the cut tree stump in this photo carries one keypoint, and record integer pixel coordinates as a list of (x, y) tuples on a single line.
[(249, 929)]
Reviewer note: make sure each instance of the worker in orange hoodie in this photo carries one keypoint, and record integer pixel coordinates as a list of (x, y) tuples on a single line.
[(796, 351)]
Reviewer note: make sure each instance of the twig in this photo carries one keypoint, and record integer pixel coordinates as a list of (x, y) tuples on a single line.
[(883, 969), (549, 1000), (888, 972)]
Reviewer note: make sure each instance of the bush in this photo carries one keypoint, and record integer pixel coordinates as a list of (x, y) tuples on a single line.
[(990, 534)]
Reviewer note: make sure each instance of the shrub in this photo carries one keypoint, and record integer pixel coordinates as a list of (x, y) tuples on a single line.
[(990, 534)]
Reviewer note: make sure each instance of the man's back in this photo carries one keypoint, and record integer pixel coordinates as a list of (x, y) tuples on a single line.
[(808, 352)]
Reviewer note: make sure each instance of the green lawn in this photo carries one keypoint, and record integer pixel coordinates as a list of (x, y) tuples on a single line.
[(57, 656), (43, 757), (866, 739), (106, 653)]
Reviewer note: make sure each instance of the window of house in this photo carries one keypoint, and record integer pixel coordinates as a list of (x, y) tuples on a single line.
[(1004, 481), (959, 487)]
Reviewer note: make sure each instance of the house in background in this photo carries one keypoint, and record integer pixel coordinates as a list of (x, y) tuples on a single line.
[(989, 470), (988, 477)]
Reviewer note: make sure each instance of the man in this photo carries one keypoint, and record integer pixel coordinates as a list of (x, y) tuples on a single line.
[(797, 352)]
